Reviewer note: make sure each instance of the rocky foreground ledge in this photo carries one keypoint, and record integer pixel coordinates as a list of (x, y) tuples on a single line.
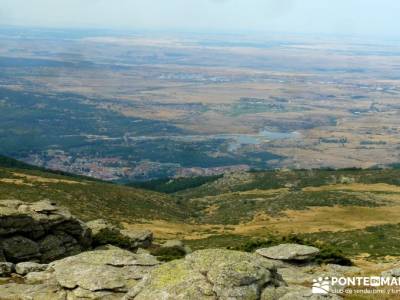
[(49, 254)]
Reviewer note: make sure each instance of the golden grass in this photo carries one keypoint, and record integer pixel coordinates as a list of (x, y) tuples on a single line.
[(169, 230), (15, 181), (356, 187), (312, 220), (323, 219)]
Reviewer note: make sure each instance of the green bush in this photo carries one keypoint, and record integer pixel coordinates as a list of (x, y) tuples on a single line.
[(111, 237)]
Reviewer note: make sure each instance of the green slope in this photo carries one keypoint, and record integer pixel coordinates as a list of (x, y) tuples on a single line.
[(86, 198), (223, 204)]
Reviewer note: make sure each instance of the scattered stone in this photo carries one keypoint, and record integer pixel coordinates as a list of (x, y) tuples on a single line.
[(138, 238), (43, 207), (28, 267), (104, 233), (345, 270), (37, 277), (101, 226), (289, 252), (6, 269), (392, 273)]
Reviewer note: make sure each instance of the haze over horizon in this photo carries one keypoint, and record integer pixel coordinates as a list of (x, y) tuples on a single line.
[(350, 17)]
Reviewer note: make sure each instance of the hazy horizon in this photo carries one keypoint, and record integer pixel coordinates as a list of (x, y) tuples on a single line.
[(344, 17)]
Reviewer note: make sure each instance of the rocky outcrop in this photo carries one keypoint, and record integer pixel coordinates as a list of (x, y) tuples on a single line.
[(99, 274), (39, 232), (104, 233), (102, 272), (120, 274), (209, 274), (213, 274), (289, 252), (31, 234)]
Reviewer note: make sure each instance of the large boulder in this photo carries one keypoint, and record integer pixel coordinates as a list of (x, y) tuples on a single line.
[(289, 252), (40, 232), (209, 275), (28, 267), (99, 274), (104, 233), (15, 291), (19, 248), (117, 274)]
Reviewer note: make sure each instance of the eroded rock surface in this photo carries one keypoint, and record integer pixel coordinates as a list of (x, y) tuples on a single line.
[(289, 252), (39, 232), (99, 274), (31, 234), (209, 274), (213, 274)]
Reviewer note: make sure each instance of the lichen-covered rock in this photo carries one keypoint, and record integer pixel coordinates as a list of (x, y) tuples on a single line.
[(104, 233), (209, 274), (102, 271), (38, 277), (39, 231), (289, 252), (28, 267), (343, 270), (14, 291), (99, 274)]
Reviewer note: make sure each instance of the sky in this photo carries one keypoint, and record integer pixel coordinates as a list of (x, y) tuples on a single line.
[(350, 17)]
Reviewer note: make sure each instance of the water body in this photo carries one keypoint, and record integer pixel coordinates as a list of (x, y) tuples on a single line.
[(235, 140), (263, 136)]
